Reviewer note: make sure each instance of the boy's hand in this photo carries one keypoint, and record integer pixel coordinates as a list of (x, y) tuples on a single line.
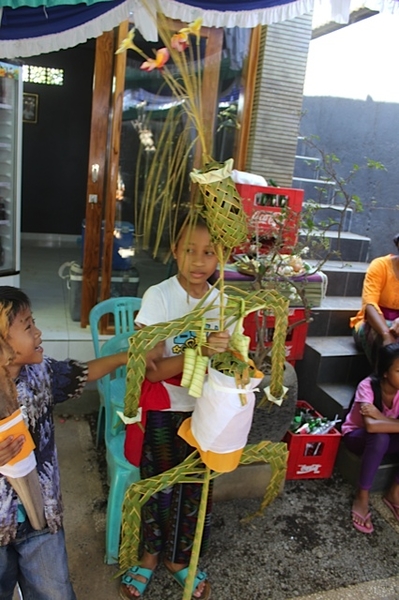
[(218, 341), (10, 447)]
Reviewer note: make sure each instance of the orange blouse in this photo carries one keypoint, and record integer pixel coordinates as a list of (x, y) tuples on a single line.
[(380, 288)]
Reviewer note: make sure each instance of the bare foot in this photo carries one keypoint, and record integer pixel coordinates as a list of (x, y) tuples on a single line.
[(360, 509)]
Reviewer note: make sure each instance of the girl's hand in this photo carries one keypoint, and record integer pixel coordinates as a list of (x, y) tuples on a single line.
[(154, 355), (218, 341), (389, 338), (394, 329), (10, 447), (371, 411)]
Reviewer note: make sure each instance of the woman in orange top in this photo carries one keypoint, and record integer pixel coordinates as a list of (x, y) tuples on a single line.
[(377, 322)]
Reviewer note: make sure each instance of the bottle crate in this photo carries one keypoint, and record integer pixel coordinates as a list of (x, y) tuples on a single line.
[(311, 456)]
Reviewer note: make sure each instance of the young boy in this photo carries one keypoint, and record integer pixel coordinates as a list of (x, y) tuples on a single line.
[(37, 560)]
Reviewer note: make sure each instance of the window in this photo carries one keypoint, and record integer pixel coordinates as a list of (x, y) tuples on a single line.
[(42, 75)]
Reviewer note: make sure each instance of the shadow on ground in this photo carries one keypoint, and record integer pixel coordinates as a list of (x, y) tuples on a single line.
[(304, 543)]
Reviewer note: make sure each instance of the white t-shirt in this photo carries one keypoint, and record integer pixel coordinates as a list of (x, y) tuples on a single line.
[(167, 301)]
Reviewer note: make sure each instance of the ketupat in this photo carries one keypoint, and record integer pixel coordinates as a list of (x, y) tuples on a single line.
[(198, 376), (195, 365), (190, 355)]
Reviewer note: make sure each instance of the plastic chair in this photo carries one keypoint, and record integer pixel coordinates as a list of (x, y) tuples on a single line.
[(123, 310), (121, 473)]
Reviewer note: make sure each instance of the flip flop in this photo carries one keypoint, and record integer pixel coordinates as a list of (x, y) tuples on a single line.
[(361, 526), (392, 507), (129, 580), (181, 576)]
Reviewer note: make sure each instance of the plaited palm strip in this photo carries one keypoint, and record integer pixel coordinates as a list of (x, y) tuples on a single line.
[(192, 470), (276, 454), (145, 339), (278, 350)]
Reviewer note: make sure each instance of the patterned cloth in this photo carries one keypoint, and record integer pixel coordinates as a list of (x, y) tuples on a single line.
[(169, 518), (39, 388), (368, 341)]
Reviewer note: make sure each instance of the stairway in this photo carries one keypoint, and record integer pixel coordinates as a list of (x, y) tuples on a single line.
[(332, 366)]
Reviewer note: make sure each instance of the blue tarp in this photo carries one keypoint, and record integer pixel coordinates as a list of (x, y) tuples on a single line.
[(27, 22)]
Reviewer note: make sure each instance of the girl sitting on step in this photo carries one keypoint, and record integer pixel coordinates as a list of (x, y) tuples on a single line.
[(371, 430)]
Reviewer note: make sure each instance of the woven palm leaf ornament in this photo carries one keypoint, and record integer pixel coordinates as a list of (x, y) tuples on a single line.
[(222, 203), (218, 202), (148, 337), (191, 470)]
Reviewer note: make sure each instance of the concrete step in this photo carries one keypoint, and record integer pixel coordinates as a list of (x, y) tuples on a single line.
[(333, 399), (346, 245), (348, 465), (315, 189), (334, 216), (344, 278), (331, 318), (330, 361)]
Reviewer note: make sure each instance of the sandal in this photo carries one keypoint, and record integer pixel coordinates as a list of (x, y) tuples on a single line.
[(362, 527), (129, 579), (181, 576), (394, 508)]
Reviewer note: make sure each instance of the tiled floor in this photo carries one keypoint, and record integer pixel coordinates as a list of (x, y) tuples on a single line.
[(41, 260)]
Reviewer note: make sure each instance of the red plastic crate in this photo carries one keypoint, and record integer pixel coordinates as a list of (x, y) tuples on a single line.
[(302, 464), (295, 340), (263, 204)]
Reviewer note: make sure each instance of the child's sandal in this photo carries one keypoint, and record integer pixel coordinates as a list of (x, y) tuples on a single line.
[(181, 576), (129, 580)]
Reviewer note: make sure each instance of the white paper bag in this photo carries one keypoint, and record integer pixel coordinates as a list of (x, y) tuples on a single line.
[(220, 422)]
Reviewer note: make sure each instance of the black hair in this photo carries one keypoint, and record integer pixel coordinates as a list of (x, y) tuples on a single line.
[(191, 219), (385, 359), (396, 240), (14, 298)]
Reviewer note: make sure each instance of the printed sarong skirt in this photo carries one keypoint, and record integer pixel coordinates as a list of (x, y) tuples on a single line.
[(169, 518)]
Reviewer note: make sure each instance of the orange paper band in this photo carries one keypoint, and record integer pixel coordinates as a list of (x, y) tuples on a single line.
[(16, 429)]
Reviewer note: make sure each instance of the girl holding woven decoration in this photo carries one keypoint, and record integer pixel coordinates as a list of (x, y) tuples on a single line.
[(169, 518)]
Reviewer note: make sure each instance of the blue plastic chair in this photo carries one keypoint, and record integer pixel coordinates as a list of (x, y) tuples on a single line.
[(123, 310), (121, 473)]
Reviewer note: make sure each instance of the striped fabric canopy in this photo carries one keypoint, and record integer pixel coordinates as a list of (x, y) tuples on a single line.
[(32, 27)]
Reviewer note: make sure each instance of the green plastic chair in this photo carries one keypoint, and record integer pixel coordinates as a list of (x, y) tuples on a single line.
[(120, 472), (124, 310)]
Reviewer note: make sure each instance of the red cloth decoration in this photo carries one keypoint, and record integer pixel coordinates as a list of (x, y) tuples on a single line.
[(154, 396)]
